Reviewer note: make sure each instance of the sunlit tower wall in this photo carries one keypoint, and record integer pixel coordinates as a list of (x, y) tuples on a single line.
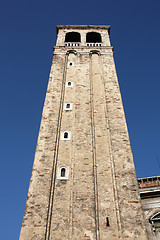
[(83, 183)]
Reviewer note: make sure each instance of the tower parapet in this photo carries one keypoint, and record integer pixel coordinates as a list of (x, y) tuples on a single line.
[(83, 36)]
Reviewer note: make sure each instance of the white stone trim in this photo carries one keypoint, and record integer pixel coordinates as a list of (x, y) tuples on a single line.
[(63, 53), (86, 53), (61, 35)]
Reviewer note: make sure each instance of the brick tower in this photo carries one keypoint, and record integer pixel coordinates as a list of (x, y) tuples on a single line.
[(83, 183)]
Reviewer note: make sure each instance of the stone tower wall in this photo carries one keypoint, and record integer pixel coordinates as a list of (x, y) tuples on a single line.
[(100, 199)]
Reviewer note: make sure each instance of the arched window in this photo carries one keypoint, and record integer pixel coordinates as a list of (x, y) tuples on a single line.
[(66, 135), (72, 37), (68, 106), (63, 171), (93, 37)]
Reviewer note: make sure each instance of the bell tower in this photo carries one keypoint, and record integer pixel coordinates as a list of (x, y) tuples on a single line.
[(83, 183)]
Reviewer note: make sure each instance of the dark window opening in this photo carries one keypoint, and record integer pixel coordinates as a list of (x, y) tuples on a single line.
[(68, 105), (73, 37), (93, 37), (66, 135), (69, 83), (70, 64), (63, 171)]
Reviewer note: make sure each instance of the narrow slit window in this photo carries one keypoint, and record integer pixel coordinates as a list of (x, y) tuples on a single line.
[(107, 221)]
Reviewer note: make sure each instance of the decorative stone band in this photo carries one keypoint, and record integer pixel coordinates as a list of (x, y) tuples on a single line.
[(87, 53)]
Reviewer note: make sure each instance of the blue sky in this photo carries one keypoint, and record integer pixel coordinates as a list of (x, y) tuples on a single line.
[(28, 33)]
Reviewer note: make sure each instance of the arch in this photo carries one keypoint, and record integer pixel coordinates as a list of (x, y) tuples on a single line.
[(154, 220), (71, 51), (95, 52), (73, 37), (93, 37), (153, 213), (155, 216)]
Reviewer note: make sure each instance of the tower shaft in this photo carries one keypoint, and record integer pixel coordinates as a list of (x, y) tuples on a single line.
[(83, 183)]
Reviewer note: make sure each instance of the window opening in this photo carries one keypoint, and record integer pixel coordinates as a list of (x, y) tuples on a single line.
[(63, 171), (73, 37), (65, 135), (93, 37), (69, 83), (68, 105)]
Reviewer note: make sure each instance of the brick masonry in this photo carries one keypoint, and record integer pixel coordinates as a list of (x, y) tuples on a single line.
[(102, 183)]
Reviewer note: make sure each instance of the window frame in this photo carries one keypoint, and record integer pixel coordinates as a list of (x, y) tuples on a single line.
[(70, 85), (65, 106), (66, 177), (69, 135)]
